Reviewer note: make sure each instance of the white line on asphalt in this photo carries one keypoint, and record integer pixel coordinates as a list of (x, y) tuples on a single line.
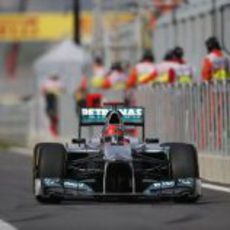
[(6, 226), (216, 187), (20, 150)]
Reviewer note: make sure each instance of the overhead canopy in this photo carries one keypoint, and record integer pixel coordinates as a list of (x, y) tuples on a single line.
[(66, 51), (66, 59)]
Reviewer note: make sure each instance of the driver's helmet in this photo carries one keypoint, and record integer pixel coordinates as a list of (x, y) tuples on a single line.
[(114, 132)]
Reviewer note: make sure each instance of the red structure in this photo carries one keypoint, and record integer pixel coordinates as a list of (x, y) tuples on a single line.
[(94, 100)]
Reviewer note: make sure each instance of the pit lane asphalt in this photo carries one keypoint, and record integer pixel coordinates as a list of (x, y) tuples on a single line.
[(19, 208)]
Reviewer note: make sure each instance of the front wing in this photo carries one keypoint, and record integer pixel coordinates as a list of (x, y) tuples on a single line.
[(72, 189)]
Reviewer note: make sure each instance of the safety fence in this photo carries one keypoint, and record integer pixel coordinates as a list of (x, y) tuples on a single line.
[(196, 113)]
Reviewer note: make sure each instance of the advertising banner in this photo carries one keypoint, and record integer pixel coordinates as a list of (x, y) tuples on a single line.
[(23, 27)]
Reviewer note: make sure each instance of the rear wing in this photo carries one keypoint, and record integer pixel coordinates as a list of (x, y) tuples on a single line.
[(132, 116), (98, 116)]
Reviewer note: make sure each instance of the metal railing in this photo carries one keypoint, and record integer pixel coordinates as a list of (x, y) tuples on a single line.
[(196, 113)]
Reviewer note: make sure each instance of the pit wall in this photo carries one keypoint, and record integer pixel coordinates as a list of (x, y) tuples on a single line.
[(196, 113)]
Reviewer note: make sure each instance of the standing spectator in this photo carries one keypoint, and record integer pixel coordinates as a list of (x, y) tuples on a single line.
[(51, 89), (184, 72), (80, 95), (129, 94), (167, 69), (99, 72), (116, 78), (216, 67), (144, 72), (215, 64)]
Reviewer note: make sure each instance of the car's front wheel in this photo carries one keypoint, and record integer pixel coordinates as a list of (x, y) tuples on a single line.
[(49, 162), (184, 164)]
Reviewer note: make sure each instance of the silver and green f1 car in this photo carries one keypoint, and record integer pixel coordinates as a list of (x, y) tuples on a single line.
[(115, 164)]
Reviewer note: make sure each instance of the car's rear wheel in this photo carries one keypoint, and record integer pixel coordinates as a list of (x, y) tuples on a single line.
[(49, 162), (184, 164)]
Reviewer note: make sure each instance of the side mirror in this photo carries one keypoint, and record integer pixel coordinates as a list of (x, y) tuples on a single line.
[(152, 140), (78, 141)]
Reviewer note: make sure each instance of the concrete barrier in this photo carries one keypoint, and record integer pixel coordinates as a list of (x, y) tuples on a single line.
[(15, 122), (215, 168)]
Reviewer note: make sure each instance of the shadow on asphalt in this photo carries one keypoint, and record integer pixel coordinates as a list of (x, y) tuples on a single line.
[(203, 201), (120, 201)]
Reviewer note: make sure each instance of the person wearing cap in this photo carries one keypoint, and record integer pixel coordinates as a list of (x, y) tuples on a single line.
[(183, 71), (51, 89), (143, 72), (215, 64)]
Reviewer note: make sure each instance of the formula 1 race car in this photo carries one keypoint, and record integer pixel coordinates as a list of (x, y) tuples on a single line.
[(114, 164)]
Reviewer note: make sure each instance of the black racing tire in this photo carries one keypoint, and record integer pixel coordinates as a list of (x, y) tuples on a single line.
[(49, 161), (35, 158), (35, 162), (183, 164)]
